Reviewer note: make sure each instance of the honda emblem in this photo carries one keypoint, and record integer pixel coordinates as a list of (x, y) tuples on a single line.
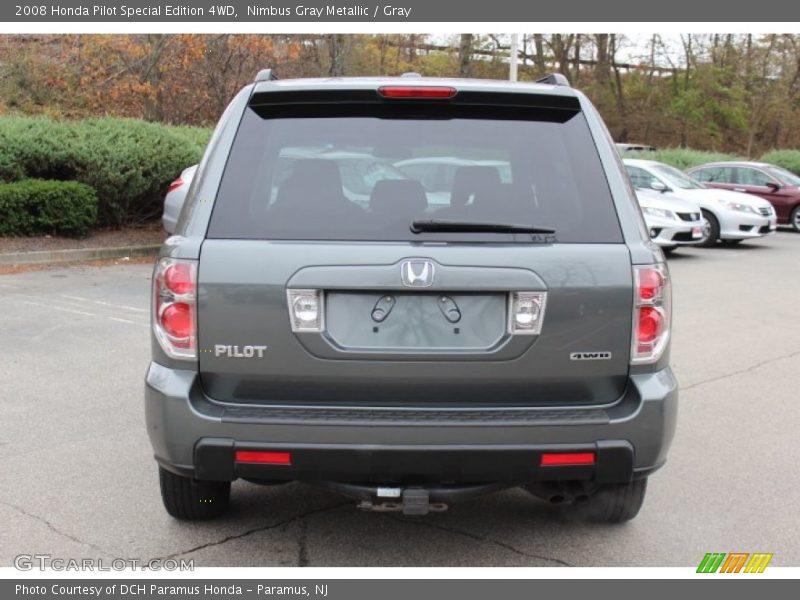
[(416, 273)]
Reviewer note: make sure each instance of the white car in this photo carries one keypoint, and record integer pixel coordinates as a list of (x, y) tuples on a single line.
[(173, 201), (732, 216), (671, 221)]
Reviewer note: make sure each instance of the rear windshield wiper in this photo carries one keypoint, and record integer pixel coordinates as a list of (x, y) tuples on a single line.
[(476, 227)]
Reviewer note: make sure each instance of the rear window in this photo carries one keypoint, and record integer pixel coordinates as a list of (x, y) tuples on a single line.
[(365, 177)]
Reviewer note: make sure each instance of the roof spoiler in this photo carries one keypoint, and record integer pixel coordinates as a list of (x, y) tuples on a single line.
[(551, 79), (268, 75), (555, 79)]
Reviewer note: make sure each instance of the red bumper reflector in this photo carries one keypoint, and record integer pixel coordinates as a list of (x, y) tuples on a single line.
[(416, 91), (567, 459), (264, 458)]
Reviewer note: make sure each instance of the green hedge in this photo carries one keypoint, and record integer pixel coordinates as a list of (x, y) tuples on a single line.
[(129, 163), (199, 136), (42, 207), (788, 159)]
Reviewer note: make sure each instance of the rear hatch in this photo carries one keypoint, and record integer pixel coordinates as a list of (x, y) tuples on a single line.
[(331, 276)]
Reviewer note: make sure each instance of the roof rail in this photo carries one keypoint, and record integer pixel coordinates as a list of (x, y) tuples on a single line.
[(554, 79), (266, 75)]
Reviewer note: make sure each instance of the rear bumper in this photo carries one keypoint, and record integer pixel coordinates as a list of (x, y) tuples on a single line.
[(196, 437)]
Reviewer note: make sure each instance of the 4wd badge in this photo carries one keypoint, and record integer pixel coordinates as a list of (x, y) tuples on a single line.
[(590, 356)]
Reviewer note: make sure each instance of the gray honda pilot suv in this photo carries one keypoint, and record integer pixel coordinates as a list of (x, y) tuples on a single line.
[(322, 315)]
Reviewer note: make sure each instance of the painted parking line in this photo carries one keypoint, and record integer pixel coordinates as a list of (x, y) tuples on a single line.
[(82, 313), (100, 309), (104, 309), (101, 303), (124, 321), (67, 310)]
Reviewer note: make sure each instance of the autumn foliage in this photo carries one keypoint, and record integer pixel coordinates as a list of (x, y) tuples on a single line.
[(124, 114)]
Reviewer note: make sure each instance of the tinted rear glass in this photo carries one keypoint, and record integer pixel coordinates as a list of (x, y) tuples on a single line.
[(367, 174)]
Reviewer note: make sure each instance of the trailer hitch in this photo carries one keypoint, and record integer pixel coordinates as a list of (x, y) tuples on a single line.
[(411, 501)]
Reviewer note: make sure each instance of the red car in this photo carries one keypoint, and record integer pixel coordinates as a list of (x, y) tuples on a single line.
[(779, 186)]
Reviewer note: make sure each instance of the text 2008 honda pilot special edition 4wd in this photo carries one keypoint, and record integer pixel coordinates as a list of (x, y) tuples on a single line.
[(409, 348)]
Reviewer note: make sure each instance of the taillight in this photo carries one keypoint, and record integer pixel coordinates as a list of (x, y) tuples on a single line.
[(179, 278), (416, 91), (176, 319), (651, 324), (174, 307), (650, 280), (175, 185), (652, 312)]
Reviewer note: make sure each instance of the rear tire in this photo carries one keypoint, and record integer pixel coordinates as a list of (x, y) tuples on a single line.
[(713, 230), (794, 220), (614, 503), (188, 499)]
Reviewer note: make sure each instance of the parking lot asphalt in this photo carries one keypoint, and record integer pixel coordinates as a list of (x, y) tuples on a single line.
[(79, 479)]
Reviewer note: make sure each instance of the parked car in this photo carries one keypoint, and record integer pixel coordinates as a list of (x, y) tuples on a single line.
[(634, 148), (732, 216), (672, 222), (173, 201), (779, 186), (397, 357)]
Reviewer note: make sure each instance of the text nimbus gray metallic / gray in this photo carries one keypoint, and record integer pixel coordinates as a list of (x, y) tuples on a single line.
[(328, 10)]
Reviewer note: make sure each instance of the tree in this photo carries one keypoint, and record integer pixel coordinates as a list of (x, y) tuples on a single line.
[(465, 55), (734, 93), (336, 48)]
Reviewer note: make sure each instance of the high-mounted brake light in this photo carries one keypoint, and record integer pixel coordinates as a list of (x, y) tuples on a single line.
[(416, 91), (652, 313), (175, 185), (175, 306)]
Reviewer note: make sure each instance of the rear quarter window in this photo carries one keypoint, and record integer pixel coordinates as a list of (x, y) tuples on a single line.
[(714, 175)]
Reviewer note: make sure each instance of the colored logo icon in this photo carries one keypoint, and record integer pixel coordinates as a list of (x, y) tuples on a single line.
[(734, 562)]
